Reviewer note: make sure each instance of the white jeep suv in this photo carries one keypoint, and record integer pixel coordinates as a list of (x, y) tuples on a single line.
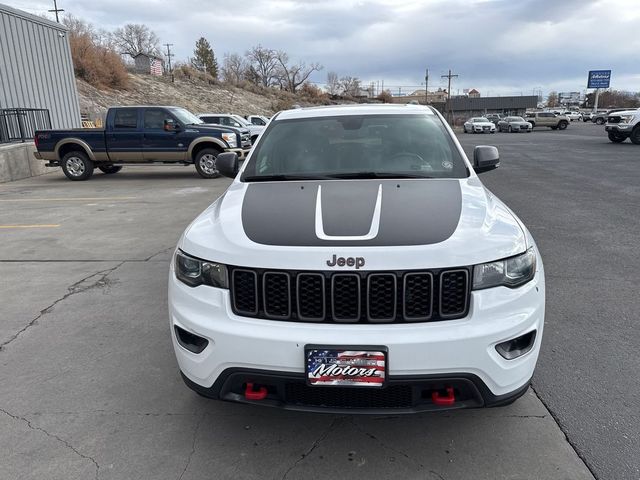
[(357, 263)]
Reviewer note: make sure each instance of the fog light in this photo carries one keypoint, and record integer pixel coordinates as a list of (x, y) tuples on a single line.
[(190, 341), (517, 347)]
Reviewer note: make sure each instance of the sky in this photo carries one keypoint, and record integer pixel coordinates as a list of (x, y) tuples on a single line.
[(499, 47)]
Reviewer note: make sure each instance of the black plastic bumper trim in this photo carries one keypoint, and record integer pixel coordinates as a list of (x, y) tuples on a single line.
[(478, 394)]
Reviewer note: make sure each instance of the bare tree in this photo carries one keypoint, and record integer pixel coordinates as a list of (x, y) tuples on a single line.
[(233, 68), (350, 86), (552, 99), (296, 74), (265, 64), (133, 39), (333, 83)]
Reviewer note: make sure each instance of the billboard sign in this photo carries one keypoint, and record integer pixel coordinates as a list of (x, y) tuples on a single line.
[(599, 78)]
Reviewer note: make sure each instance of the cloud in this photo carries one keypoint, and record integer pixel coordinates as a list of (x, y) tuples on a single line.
[(501, 46)]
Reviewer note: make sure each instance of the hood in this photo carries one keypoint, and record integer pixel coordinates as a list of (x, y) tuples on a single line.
[(204, 128), (393, 224), (518, 122), (484, 124), (632, 111)]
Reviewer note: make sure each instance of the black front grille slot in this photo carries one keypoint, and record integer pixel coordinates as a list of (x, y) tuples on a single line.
[(276, 295), (382, 292), (454, 293), (418, 296), (354, 297), (393, 396), (245, 291), (310, 294), (345, 295), (614, 119)]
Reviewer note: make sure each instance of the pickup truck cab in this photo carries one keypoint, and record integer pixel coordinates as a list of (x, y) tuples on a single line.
[(231, 120), (139, 135), (259, 120), (357, 263)]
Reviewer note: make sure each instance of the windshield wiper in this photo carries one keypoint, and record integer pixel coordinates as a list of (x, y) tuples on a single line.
[(367, 174), (283, 177)]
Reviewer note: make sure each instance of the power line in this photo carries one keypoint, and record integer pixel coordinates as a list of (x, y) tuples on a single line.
[(56, 10)]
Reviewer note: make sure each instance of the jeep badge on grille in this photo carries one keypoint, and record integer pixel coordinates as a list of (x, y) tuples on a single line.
[(357, 262)]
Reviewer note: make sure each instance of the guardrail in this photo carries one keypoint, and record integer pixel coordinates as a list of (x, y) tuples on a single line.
[(20, 124)]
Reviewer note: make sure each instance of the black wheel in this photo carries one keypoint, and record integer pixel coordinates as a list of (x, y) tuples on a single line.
[(206, 163), (562, 125), (110, 168), (509, 129), (599, 121), (615, 137), (77, 166), (635, 135)]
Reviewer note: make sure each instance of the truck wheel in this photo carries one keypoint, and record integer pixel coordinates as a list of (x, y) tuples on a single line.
[(110, 168), (77, 166), (562, 125), (616, 137), (635, 135), (599, 121), (206, 163)]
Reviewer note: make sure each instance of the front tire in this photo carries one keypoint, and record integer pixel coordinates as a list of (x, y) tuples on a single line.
[(77, 166), (599, 121), (616, 137), (205, 162), (109, 169), (562, 125), (635, 135)]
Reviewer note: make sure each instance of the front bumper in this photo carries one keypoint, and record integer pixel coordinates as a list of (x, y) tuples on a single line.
[(241, 152), (618, 128), (417, 351)]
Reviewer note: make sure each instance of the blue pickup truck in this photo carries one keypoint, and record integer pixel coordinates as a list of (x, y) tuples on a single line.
[(140, 135)]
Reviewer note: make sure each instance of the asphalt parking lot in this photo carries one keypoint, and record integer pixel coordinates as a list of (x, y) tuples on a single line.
[(90, 387)]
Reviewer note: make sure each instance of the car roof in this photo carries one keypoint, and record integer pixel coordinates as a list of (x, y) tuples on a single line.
[(366, 109)]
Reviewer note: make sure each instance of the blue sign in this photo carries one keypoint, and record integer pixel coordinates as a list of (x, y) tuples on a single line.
[(599, 78)]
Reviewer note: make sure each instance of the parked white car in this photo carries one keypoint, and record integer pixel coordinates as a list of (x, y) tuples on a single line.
[(573, 115), (479, 125), (313, 283)]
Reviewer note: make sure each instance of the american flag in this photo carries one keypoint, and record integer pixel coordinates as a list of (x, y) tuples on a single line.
[(155, 66), (363, 368)]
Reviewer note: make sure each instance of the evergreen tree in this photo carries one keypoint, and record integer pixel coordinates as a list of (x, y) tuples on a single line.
[(204, 59)]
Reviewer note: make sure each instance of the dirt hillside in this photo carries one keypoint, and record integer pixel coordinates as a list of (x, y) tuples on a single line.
[(194, 95)]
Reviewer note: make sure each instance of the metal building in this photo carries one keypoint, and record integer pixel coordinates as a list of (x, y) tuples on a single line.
[(36, 70)]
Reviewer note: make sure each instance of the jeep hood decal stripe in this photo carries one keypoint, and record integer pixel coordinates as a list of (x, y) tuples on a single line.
[(352, 212)]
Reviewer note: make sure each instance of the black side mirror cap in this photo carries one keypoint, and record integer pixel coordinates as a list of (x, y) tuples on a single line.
[(227, 164), (485, 158)]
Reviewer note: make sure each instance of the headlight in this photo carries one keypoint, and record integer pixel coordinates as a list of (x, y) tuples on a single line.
[(230, 138), (510, 272), (194, 272), (626, 118)]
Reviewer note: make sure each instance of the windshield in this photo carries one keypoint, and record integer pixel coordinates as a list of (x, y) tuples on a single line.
[(371, 146), (185, 116)]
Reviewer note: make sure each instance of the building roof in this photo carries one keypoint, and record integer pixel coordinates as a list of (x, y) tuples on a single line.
[(357, 109), (32, 18), (150, 55), (464, 103), (473, 90)]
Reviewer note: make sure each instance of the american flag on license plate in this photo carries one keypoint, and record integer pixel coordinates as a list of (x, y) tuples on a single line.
[(346, 367)]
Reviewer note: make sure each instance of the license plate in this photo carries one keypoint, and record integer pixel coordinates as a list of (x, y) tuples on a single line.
[(346, 366)]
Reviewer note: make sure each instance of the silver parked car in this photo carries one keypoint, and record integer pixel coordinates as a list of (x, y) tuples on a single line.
[(479, 125), (514, 124)]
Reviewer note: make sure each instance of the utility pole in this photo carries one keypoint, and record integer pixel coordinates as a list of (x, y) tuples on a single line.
[(426, 87), (169, 55), (56, 10), (449, 76)]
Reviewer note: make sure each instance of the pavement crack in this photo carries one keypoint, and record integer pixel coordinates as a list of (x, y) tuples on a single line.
[(385, 446), (315, 445), (193, 445), (77, 287), (164, 250), (55, 437)]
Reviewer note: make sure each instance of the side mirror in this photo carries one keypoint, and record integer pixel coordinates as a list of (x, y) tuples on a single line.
[(485, 158), (227, 164), (171, 126)]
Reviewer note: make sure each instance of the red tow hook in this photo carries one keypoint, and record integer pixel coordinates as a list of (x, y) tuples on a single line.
[(443, 400), (251, 394)]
